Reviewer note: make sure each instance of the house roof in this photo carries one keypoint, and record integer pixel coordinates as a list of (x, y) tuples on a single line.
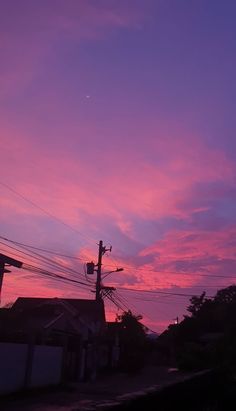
[(37, 314), (90, 309)]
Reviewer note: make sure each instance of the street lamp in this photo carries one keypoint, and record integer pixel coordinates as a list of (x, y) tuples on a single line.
[(110, 272)]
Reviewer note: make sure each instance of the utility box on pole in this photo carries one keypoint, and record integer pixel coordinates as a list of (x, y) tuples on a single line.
[(90, 268)]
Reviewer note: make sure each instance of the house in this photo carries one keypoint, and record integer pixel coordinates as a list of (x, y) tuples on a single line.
[(74, 324)]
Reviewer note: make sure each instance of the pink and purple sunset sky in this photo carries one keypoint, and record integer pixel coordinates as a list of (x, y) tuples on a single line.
[(118, 118)]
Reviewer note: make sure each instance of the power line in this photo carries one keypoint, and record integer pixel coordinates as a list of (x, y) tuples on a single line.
[(13, 254), (143, 314), (32, 268), (62, 268), (73, 272), (153, 300), (114, 302), (158, 292), (121, 300), (59, 281), (58, 265), (128, 303), (55, 277), (41, 249), (44, 260), (13, 190), (39, 259)]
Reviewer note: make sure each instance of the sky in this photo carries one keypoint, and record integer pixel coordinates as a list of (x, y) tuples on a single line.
[(117, 123)]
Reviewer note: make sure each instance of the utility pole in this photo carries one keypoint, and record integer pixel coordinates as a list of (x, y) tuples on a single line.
[(2, 271), (101, 251), (99, 271), (91, 268), (4, 259)]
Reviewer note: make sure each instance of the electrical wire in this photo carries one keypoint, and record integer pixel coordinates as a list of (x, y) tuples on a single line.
[(41, 249), (13, 190), (45, 260), (41, 271), (135, 311), (158, 292), (35, 269)]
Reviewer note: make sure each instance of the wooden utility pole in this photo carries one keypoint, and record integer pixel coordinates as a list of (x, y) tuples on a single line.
[(101, 251), (4, 259), (91, 268), (2, 271), (99, 270)]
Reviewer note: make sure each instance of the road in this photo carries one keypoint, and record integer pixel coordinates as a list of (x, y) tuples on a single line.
[(81, 395)]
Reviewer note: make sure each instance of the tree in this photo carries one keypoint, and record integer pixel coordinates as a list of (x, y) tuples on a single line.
[(132, 341), (207, 337), (226, 295), (132, 329), (197, 303)]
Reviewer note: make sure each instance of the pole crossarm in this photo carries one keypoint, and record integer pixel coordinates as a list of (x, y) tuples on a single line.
[(4, 259)]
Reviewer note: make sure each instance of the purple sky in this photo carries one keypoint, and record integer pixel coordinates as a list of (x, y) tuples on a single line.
[(118, 118)]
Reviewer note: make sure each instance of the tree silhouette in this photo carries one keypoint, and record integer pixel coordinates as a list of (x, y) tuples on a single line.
[(196, 304), (207, 337), (132, 341)]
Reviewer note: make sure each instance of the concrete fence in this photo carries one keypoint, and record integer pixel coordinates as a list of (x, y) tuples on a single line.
[(28, 366)]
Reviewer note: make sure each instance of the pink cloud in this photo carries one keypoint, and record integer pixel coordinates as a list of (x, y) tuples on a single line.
[(192, 244), (197, 253), (64, 185)]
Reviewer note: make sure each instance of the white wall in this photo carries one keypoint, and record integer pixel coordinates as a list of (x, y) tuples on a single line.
[(12, 366), (47, 364)]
